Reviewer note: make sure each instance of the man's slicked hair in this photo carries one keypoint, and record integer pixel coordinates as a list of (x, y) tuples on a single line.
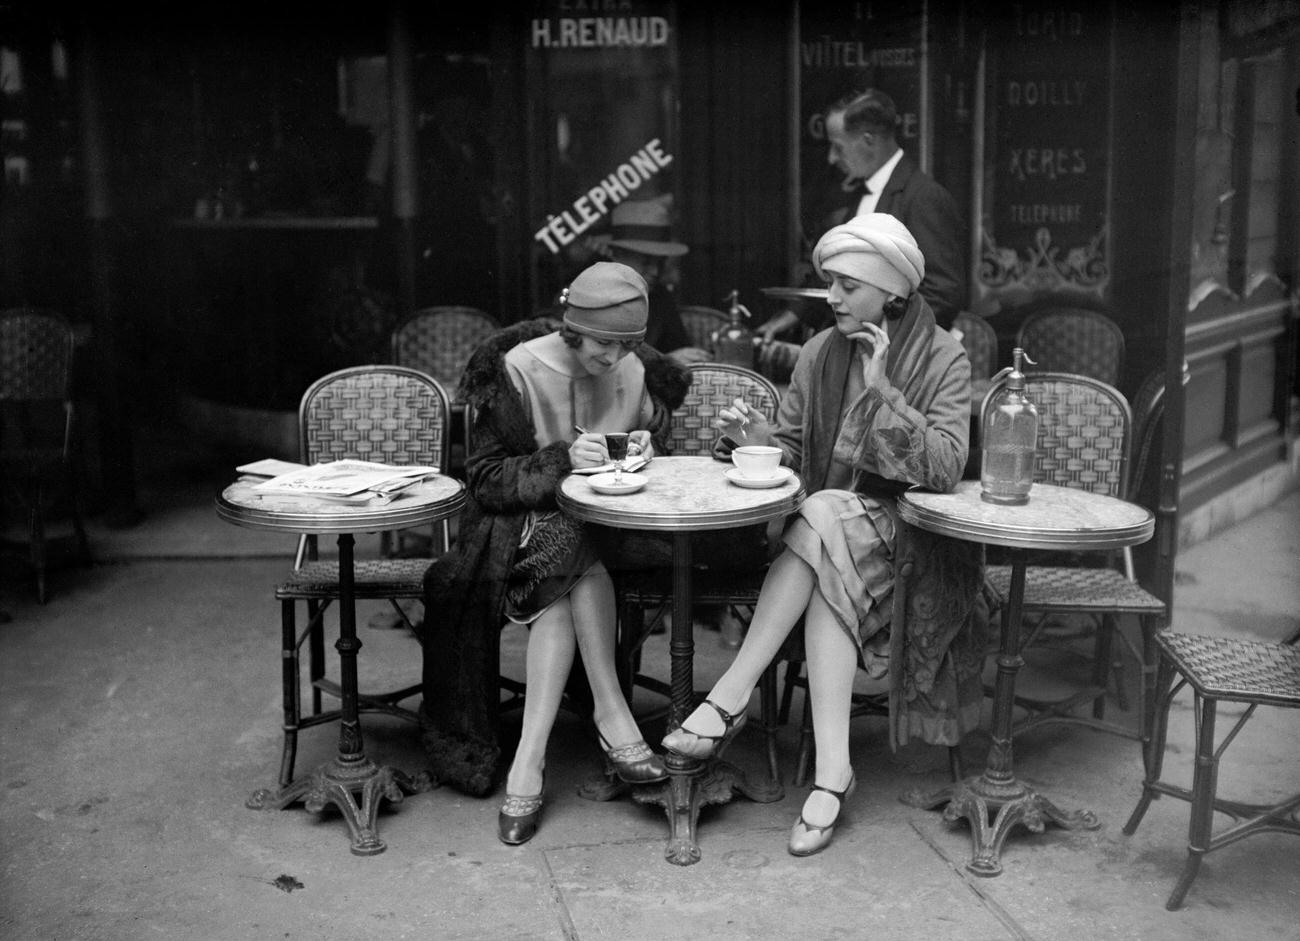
[(870, 110)]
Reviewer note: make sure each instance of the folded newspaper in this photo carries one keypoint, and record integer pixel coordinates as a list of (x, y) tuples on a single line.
[(348, 481)]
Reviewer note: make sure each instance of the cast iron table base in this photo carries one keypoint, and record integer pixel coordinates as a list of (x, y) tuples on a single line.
[(337, 782)]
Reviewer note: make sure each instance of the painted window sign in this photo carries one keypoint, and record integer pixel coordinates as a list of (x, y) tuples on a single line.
[(592, 206), (1046, 174), (602, 124), (594, 32), (845, 48)]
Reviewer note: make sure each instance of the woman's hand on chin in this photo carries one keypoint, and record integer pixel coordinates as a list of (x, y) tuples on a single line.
[(873, 338)]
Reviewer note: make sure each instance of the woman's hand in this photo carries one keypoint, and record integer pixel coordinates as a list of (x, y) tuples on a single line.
[(640, 442), (743, 424), (588, 450), (874, 338)]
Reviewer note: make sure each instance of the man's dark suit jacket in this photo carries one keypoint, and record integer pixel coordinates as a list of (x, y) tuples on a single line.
[(930, 214)]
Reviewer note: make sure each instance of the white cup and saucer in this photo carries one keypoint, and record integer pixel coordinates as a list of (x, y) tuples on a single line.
[(757, 467)]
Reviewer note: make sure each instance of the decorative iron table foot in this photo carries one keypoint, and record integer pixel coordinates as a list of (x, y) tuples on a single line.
[(336, 782), (690, 787), (1011, 803)]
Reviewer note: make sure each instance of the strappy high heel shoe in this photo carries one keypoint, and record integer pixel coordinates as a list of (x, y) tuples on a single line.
[(519, 816), (807, 839), (635, 763), (703, 747)]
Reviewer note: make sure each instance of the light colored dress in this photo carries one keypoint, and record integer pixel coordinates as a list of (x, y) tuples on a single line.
[(882, 443), (559, 394)]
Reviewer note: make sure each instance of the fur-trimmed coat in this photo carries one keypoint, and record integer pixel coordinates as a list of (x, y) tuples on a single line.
[(508, 476)]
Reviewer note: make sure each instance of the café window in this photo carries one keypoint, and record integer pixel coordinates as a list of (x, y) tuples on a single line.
[(602, 125), (1044, 201)]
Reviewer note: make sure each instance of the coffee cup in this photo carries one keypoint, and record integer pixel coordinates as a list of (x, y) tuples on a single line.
[(756, 461)]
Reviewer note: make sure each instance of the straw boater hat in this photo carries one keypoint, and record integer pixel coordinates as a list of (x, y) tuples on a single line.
[(643, 225), (608, 301)]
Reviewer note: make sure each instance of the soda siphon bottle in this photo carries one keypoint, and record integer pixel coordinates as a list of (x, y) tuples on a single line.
[(1008, 439), (734, 343)]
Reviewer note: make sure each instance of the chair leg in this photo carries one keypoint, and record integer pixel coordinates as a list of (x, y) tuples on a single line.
[(1153, 754), (1205, 779), (316, 651), (36, 528), (768, 712), (289, 678), (803, 761), (1102, 667), (955, 767), (793, 673)]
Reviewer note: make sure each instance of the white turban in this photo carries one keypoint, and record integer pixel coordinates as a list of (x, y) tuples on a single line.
[(875, 248)]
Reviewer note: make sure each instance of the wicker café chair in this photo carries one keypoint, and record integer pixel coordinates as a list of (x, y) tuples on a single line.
[(1218, 669), (713, 386), (39, 453), (1084, 440), (439, 341), (980, 341), (701, 324), (387, 414), (1073, 340)]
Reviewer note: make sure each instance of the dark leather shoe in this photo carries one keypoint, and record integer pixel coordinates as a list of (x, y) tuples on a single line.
[(518, 819), (635, 763)]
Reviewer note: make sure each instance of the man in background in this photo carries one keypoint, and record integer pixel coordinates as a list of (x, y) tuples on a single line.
[(640, 238), (862, 136)]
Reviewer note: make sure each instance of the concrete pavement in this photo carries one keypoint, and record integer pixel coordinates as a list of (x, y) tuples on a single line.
[(141, 705)]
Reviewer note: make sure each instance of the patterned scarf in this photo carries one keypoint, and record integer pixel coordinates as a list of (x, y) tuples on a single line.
[(905, 366)]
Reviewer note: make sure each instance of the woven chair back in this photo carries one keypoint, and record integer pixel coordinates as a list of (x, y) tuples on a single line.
[(1073, 340), (981, 343), (1084, 432), (440, 340), (386, 414), (713, 386), (701, 323), (35, 356)]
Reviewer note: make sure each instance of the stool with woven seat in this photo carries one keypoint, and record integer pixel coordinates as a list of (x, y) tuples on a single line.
[(385, 414), (1219, 669)]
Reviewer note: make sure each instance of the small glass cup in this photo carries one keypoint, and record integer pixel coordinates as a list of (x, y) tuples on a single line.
[(616, 445)]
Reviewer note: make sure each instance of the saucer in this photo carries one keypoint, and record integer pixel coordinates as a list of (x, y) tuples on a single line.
[(604, 483), (759, 483)]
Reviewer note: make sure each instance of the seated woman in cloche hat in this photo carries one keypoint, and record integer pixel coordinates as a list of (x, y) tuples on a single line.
[(518, 558)]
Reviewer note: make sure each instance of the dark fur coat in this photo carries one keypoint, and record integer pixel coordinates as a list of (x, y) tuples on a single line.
[(508, 476)]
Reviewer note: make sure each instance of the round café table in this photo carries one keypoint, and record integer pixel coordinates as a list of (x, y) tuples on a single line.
[(1055, 518), (682, 495), (350, 771)]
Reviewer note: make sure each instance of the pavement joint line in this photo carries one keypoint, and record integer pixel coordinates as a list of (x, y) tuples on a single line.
[(973, 883), (556, 897)]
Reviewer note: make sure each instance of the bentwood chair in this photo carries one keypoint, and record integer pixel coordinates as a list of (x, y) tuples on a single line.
[(39, 453), (701, 324), (1084, 441), (713, 386), (385, 414), (1246, 673), (1073, 340)]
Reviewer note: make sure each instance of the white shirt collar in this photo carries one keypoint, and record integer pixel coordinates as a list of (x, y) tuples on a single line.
[(876, 182)]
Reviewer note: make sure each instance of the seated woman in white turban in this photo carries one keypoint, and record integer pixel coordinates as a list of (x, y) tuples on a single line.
[(878, 403)]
